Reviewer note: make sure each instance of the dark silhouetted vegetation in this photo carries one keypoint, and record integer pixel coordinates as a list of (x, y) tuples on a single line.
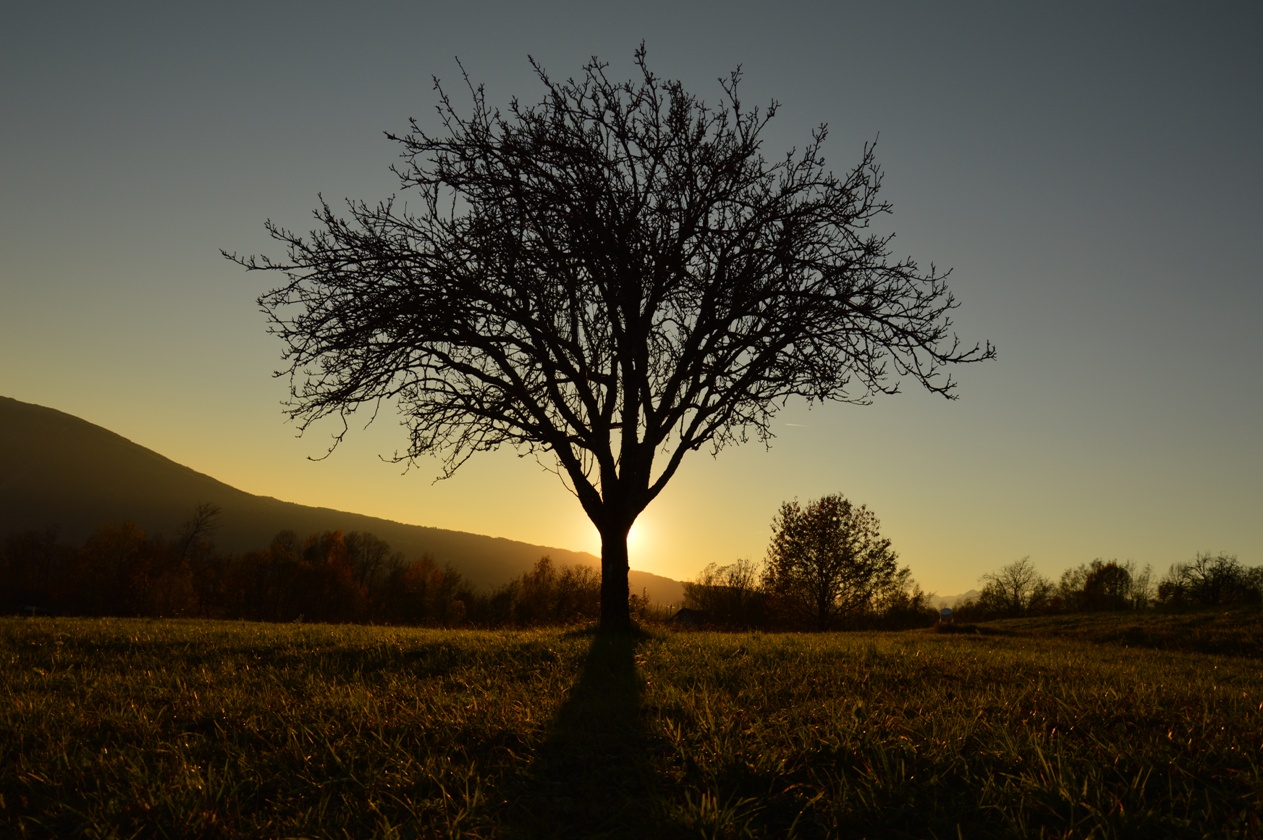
[(616, 276), (827, 568), (1104, 586), (1211, 580), (826, 563), (1015, 590), (1019, 590), (729, 597), (56, 469), (327, 577)]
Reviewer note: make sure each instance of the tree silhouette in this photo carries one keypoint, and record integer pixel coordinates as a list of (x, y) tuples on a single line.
[(1014, 589), (1211, 579), (613, 277), (1106, 586), (827, 561)]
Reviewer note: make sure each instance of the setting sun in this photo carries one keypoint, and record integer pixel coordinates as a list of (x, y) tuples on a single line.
[(638, 539)]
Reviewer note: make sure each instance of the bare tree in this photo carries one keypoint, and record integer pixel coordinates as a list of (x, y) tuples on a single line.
[(613, 277), (1015, 589), (1211, 579), (1142, 586), (196, 531), (370, 557)]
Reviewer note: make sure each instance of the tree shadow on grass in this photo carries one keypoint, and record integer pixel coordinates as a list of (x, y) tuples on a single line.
[(592, 777)]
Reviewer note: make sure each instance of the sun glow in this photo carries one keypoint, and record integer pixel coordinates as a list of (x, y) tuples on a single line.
[(642, 541), (638, 539)]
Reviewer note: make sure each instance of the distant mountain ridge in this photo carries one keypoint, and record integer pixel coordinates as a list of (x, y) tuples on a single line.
[(59, 470), (941, 601)]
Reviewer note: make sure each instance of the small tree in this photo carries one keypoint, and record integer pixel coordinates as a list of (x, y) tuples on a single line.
[(615, 276), (729, 595), (1014, 590), (547, 595), (1142, 587), (901, 603), (1068, 595), (1106, 587), (370, 557), (1099, 586), (827, 561)]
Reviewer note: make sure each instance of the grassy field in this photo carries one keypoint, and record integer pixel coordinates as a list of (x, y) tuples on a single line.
[(137, 728)]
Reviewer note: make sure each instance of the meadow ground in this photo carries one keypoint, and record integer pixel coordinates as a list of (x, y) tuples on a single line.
[(147, 728)]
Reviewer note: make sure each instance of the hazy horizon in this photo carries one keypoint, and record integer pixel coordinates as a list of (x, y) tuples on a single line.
[(1091, 175)]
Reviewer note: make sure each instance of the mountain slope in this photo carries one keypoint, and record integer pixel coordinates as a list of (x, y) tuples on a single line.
[(59, 470)]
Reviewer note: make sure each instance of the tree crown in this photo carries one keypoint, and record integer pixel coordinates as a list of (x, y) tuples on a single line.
[(615, 274)]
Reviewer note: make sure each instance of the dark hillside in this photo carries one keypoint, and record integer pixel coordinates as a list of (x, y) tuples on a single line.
[(59, 470)]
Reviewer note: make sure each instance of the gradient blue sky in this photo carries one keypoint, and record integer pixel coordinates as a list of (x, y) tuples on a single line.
[(1091, 171)]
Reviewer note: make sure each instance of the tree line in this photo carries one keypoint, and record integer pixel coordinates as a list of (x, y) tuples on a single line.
[(1208, 580), (828, 567), (743, 595), (330, 576)]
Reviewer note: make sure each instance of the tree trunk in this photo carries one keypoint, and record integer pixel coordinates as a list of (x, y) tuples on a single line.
[(615, 607)]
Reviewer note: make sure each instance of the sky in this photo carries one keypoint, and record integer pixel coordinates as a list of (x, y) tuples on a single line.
[(1091, 173)]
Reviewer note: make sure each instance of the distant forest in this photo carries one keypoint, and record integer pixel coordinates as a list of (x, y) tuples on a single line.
[(739, 596), (330, 576), (355, 577), (1208, 580)]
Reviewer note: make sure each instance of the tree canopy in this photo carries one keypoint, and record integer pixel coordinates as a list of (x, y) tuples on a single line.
[(613, 277), (827, 561)]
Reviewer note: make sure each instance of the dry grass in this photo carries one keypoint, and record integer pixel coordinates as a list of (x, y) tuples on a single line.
[(119, 728)]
